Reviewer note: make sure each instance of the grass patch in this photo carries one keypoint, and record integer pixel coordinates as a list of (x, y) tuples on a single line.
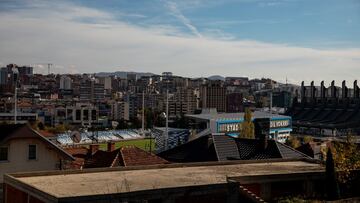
[(143, 144)]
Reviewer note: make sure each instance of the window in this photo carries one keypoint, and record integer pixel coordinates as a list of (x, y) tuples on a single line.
[(4, 153), (32, 152)]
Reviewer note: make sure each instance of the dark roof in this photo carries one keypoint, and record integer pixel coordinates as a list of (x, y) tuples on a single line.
[(125, 156), (306, 149), (133, 156), (229, 148), (8, 130), (102, 159), (198, 150), (288, 152), (226, 148), (252, 149)]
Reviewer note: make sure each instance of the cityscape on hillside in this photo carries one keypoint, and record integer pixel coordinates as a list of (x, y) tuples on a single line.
[(221, 101)]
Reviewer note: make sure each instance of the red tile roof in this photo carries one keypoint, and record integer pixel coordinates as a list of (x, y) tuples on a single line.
[(46, 133), (133, 156), (125, 156), (102, 159), (77, 151)]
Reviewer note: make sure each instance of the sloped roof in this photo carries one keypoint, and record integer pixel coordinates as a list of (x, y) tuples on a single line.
[(251, 149), (226, 147), (133, 156), (101, 159), (8, 130), (288, 152), (197, 150), (46, 133), (229, 148), (125, 156), (77, 151)]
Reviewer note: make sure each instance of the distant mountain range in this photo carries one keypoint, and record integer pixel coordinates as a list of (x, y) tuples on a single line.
[(216, 77), (123, 74)]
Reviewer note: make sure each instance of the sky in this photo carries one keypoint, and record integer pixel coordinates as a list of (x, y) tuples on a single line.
[(282, 39)]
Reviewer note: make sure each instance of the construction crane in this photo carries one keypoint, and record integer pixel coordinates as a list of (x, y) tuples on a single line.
[(49, 65)]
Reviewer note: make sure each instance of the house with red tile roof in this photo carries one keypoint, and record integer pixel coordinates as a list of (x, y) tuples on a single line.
[(92, 157)]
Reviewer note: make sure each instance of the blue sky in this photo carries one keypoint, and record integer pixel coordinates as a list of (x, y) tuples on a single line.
[(294, 39), (311, 23)]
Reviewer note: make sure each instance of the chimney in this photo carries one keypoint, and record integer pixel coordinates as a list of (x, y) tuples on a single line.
[(110, 146), (263, 142), (94, 148)]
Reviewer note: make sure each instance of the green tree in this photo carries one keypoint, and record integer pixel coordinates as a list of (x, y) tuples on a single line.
[(293, 142), (122, 124), (332, 186), (307, 139), (346, 158), (181, 122), (247, 126)]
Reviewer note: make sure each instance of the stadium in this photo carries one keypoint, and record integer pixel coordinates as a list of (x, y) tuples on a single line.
[(229, 123), (331, 111)]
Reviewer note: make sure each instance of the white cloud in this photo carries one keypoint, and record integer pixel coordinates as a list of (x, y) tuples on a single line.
[(174, 10), (38, 35)]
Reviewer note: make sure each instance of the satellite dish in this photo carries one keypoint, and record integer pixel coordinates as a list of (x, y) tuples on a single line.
[(75, 136), (114, 124)]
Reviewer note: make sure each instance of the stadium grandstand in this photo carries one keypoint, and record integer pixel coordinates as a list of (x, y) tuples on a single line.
[(331, 111), (65, 139)]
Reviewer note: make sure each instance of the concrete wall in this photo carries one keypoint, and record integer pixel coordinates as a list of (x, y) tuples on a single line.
[(47, 159)]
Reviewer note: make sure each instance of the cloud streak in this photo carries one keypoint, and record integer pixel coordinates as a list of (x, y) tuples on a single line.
[(174, 10), (38, 35)]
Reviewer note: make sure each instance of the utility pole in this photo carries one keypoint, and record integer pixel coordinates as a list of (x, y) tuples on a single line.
[(15, 103), (271, 97), (15, 75), (167, 120), (143, 114)]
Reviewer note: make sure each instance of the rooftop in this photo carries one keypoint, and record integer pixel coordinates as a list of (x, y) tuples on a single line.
[(233, 116), (63, 184)]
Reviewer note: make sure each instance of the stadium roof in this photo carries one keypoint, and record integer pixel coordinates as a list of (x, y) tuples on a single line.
[(234, 116)]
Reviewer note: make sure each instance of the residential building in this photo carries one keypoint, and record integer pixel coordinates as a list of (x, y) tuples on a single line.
[(24, 149), (91, 90), (80, 114), (234, 103), (106, 81), (213, 95), (65, 82), (120, 110)]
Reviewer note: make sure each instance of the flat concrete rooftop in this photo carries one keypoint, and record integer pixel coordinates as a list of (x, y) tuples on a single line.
[(123, 180)]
